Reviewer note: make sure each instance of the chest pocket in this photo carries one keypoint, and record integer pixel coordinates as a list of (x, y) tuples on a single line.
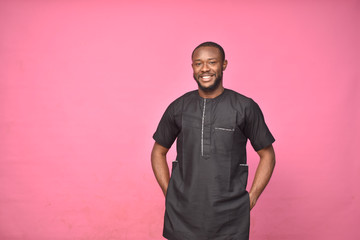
[(224, 133)]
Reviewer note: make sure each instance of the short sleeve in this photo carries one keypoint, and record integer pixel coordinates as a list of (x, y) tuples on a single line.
[(167, 129), (255, 127)]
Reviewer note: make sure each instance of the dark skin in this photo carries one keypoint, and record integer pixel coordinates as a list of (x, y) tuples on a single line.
[(208, 67)]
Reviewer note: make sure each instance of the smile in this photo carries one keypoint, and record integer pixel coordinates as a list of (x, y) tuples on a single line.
[(206, 77)]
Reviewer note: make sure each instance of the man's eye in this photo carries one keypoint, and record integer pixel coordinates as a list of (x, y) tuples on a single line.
[(197, 64), (212, 63)]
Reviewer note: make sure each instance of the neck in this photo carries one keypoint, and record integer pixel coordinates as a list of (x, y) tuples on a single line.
[(212, 94)]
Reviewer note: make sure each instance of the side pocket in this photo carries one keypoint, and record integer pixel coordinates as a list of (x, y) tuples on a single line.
[(174, 165), (248, 204), (244, 169), (171, 181)]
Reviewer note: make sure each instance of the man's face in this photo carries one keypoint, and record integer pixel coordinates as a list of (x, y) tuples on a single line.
[(208, 68)]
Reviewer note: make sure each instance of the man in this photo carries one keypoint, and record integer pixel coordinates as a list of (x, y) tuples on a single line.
[(206, 196)]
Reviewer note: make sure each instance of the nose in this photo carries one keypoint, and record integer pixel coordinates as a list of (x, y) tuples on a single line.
[(205, 68)]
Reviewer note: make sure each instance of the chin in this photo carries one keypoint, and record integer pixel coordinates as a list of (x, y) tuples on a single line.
[(211, 86), (208, 86)]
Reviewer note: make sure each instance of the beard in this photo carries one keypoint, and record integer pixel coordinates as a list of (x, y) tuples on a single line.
[(212, 87)]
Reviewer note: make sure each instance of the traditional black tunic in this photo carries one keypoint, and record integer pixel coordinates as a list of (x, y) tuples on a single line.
[(207, 198)]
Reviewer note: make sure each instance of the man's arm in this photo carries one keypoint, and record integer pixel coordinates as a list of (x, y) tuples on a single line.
[(160, 167), (263, 173)]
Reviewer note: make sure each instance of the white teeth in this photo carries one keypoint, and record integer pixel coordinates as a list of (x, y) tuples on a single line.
[(206, 77)]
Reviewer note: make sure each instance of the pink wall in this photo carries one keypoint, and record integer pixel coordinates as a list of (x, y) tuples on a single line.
[(83, 85)]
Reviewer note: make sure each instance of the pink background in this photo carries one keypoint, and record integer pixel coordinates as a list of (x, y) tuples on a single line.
[(83, 85)]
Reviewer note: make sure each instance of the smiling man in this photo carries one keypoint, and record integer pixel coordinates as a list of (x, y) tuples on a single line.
[(206, 196)]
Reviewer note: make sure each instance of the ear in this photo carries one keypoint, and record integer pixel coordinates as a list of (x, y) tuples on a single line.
[(225, 63)]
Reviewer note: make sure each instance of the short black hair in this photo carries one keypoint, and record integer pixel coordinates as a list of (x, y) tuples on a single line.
[(210, 44)]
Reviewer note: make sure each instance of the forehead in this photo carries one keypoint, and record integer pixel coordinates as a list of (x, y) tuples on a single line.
[(206, 52)]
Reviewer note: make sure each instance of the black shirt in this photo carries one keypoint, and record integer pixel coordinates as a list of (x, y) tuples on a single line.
[(207, 197)]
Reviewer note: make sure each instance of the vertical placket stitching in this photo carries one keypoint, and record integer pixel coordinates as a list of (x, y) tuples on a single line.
[(202, 129)]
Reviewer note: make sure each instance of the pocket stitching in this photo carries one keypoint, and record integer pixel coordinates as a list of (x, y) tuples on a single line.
[(225, 129)]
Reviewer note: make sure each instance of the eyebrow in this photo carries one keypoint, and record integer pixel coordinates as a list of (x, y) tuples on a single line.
[(206, 59)]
